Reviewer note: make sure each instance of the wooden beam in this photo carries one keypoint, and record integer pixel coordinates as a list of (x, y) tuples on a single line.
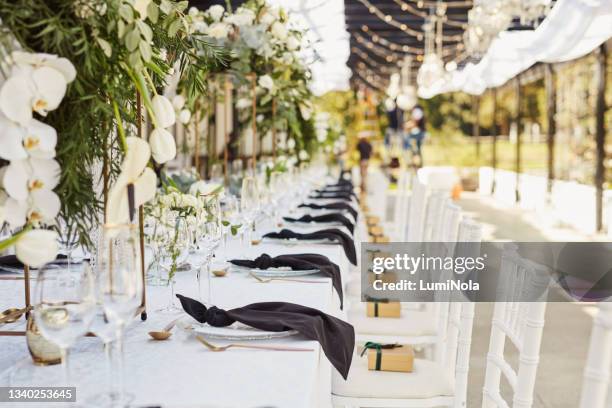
[(551, 112), (517, 164), (494, 131), (600, 134)]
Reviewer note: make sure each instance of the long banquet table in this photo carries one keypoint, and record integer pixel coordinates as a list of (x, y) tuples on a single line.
[(180, 372)]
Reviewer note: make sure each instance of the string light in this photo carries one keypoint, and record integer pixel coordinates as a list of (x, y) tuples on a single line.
[(405, 6), (370, 82), (391, 47), (408, 30), (365, 56)]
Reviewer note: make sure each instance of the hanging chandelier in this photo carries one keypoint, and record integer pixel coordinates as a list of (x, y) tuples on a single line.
[(407, 98), (432, 69)]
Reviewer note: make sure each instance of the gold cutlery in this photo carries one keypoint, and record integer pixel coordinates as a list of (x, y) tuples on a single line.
[(165, 333), (266, 280), (212, 347), (12, 315)]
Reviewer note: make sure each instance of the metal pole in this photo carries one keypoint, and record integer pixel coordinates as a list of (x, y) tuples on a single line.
[(476, 124), (254, 119), (143, 303), (600, 134), (274, 128), (551, 112), (494, 130), (517, 164)]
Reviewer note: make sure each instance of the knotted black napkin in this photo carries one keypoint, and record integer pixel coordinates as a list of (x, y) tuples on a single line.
[(333, 196), (345, 188), (333, 217), (339, 205), (11, 261), (298, 262), (336, 337), (333, 234)]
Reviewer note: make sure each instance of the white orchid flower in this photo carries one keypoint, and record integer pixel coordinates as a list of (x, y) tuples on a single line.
[(16, 96), (163, 146), (266, 82), (15, 212), (37, 247), (11, 140), (279, 30), (163, 111), (185, 116), (216, 12), (39, 140), (22, 177), (63, 65), (134, 171), (178, 101)]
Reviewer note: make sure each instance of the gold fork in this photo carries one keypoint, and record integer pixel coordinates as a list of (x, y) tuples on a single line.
[(212, 347), (266, 280)]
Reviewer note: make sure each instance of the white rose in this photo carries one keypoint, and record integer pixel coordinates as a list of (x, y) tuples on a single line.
[(266, 18), (200, 27), (193, 11), (203, 188), (37, 247), (242, 17), (303, 155), (291, 144), (293, 43), (218, 30), (178, 102), (184, 116), (164, 111), (163, 146), (279, 30), (243, 103), (216, 12), (266, 82)]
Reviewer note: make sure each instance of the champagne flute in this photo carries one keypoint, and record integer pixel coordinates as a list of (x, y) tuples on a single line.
[(120, 286), (249, 204), (64, 306), (176, 243)]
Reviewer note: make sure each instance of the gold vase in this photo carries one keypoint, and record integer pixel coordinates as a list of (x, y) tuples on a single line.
[(43, 352)]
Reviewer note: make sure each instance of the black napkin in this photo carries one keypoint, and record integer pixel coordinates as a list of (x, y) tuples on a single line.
[(298, 262), (11, 261), (347, 188), (336, 337), (334, 196), (334, 217), (339, 205), (333, 234)]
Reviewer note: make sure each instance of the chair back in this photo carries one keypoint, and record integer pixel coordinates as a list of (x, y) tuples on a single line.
[(596, 384), (433, 215), (520, 322), (416, 212)]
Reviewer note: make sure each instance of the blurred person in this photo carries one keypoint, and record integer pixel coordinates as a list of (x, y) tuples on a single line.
[(416, 132), (365, 152)]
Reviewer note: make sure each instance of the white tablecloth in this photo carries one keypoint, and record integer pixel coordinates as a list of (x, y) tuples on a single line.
[(180, 371)]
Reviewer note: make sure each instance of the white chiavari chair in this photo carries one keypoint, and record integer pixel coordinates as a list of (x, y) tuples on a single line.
[(520, 322), (596, 385), (433, 215), (431, 384), (417, 211)]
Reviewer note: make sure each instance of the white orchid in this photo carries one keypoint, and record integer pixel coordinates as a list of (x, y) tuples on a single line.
[(163, 146), (279, 30), (216, 12), (134, 171), (37, 247), (163, 111), (185, 116), (63, 65), (218, 30), (22, 177), (266, 82), (11, 140), (178, 101)]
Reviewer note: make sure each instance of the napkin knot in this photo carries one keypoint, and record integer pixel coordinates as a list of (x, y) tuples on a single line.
[(264, 261), (217, 317)]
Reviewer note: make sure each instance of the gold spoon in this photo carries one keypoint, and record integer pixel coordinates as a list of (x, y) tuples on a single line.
[(213, 347), (165, 333), (267, 280), (11, 315)]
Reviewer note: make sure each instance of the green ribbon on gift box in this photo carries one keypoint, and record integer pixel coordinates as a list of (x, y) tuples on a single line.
[(379, 348), (376, 301)]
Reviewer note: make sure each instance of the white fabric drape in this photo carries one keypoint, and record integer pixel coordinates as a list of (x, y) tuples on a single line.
[(572, 29)]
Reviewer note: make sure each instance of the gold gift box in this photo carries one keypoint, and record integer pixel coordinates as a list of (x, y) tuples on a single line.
[(381, 239), (399, 358), (384, 309), (376, 230), (372, 220)]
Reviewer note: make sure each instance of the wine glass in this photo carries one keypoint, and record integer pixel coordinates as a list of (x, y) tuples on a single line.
[(216, 173), (209, 240), (120, 286), (64, 306), (176, 242), (249, 203)]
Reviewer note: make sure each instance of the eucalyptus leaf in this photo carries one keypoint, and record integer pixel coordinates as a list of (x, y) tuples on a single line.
[(135, 60), (153, 12), (145, 51), (145, 30), (174, 27), (126, 12), (132, 39), (121, 29), (165, 6), (106, 47)]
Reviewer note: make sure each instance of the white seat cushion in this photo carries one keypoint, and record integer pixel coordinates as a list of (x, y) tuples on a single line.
[(427, 380), (411, 323)]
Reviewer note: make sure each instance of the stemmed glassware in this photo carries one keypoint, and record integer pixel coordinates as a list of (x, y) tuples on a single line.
[(64, 304), (119, 286), (176, 240), (249, 204)]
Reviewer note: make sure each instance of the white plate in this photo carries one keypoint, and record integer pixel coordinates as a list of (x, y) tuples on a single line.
[(293, 241), (239, 332), (315, 224), (281, 272)]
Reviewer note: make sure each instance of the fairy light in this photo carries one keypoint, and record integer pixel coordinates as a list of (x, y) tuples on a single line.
[(415, 11), (389, 47)]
